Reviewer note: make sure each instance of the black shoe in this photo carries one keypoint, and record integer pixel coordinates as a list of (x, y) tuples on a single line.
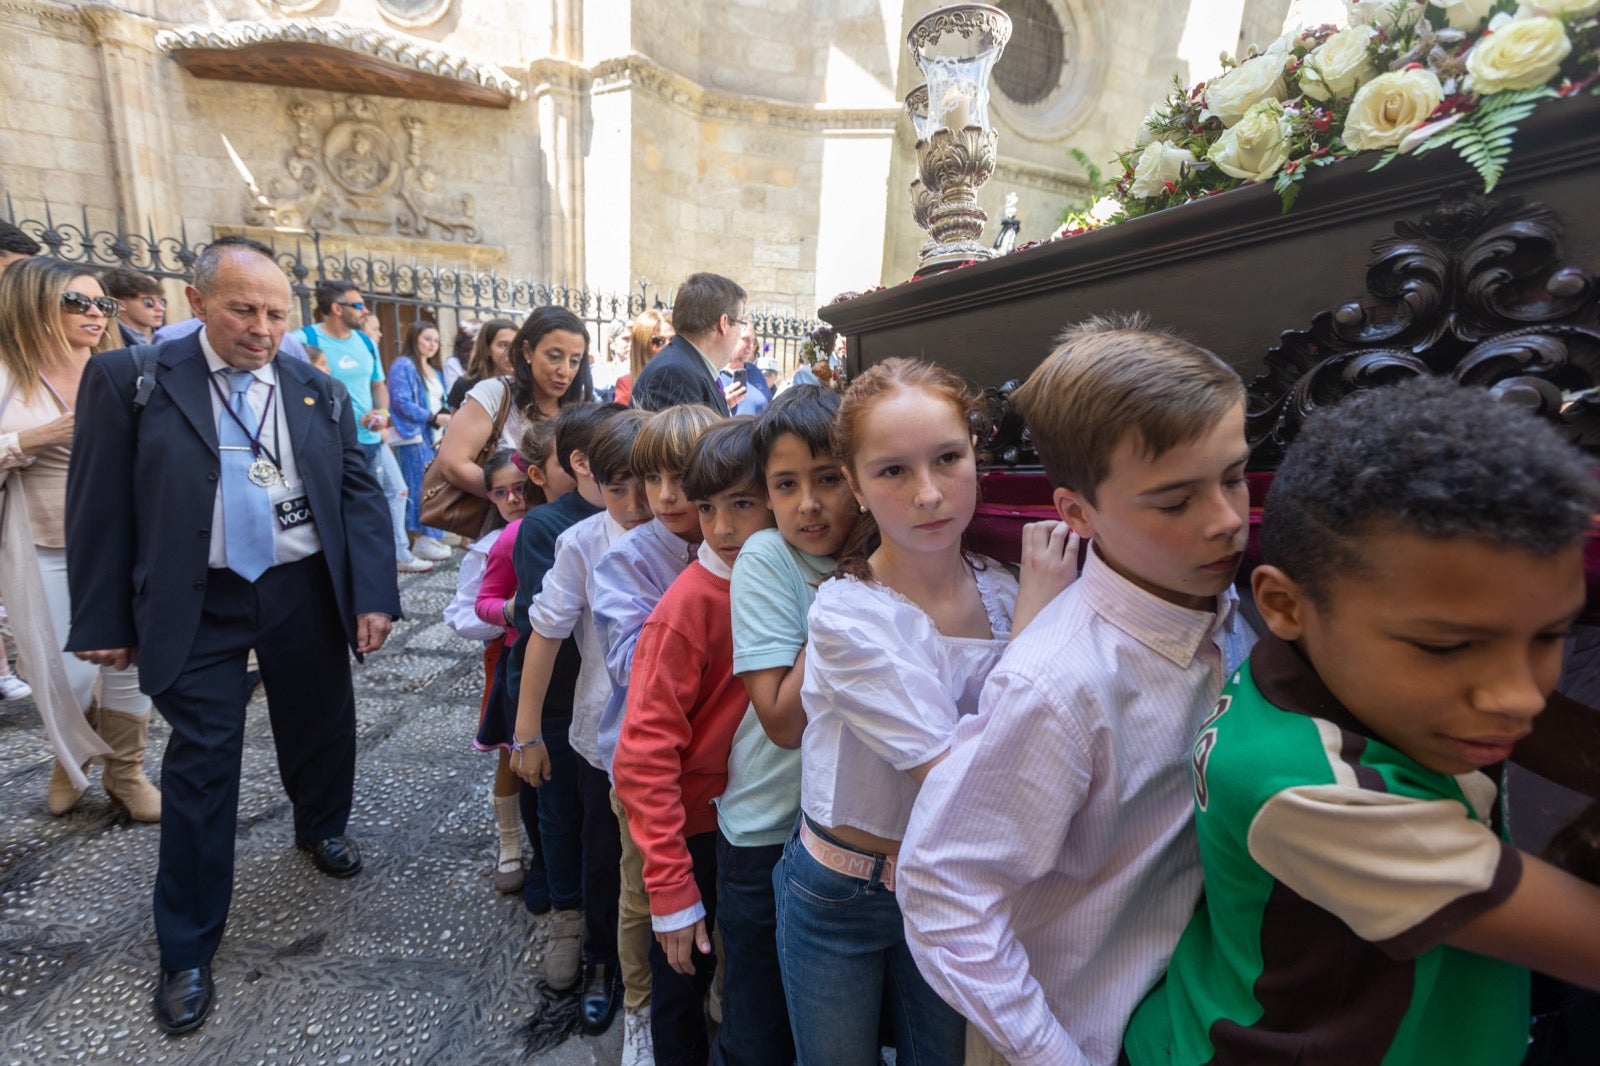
[(602, 991), (335, 856), (183, 999)]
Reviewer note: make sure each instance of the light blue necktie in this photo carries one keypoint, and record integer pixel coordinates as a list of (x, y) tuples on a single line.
[(246, 506)]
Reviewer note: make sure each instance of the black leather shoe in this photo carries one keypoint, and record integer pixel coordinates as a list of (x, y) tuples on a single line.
[(335, 856), (183, 999), (602, 991)]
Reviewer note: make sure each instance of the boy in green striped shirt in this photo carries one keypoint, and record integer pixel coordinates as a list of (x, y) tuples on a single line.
[(1424, 561)]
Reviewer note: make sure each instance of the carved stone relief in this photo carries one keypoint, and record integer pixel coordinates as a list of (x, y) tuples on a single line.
[(351, 170)]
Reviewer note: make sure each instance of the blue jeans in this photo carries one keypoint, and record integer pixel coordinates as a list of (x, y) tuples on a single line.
[(755, 1020), (413, 460), (381, 463), (846, 967)]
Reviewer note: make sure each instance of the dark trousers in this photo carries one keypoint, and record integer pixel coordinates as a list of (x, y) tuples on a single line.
[(561, 820), (291, 619), (755, 1019), (602, 863), (677, 1000)]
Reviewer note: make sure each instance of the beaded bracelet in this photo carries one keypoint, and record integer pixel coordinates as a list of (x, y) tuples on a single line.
[(518, 745)]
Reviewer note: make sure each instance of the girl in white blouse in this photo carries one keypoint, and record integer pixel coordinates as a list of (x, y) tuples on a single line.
[(900, 644)]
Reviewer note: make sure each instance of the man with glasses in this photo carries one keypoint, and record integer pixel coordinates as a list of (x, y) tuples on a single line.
[(354, 362), (142, 308), (709, 315)]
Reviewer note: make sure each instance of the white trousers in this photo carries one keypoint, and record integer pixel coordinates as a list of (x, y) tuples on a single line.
[(119, 689)]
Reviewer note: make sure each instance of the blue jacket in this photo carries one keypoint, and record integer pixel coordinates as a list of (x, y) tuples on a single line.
[(408, 401)]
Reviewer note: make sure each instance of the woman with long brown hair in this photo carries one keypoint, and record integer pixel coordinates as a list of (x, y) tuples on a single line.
[(416, 406), (52, 318), (651, 332)]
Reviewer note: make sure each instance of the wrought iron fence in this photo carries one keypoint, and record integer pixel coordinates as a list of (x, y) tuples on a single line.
[(399, 291)]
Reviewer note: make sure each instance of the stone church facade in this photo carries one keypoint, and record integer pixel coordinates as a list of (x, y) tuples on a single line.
[(577, 141)]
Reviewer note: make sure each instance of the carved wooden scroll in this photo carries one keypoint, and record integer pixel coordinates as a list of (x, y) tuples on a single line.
[(1476, 292)]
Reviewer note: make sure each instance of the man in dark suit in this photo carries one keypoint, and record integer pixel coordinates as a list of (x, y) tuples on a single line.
[(230, 510), (708, 313)]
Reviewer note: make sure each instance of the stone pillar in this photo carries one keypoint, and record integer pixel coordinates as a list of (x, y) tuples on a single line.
[(557, 96), (143, 156)]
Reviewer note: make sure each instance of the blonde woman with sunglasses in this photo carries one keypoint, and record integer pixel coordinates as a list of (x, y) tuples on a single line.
[(52, 319)]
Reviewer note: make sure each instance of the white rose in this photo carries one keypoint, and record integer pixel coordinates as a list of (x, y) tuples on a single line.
[(1255, 146), (1246, 85), (1105, 209), (1338, 66), (1519, 55), (1463, 14), (1390, 106), (1159, 164), (1558, 8)]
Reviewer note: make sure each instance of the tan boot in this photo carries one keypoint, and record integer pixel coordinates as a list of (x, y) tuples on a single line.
[(62, 794), (124, 778)]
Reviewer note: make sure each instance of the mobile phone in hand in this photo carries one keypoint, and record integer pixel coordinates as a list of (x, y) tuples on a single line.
[(739, 375)]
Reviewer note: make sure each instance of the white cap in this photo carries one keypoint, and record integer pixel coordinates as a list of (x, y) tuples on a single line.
[(768, 365)]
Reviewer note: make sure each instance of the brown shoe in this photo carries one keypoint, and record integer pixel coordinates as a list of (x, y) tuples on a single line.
[(124, 777), (62, 795), (564, 950)]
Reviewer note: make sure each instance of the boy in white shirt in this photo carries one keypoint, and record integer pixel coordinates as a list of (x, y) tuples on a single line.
[(1050, 863)]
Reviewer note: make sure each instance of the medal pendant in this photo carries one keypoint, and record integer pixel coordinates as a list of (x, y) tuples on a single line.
[(263, 473)]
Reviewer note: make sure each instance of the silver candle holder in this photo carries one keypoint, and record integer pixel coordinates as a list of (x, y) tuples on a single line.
[(956, 49)]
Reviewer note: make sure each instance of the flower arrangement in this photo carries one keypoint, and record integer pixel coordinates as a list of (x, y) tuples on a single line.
[(1399, 76)]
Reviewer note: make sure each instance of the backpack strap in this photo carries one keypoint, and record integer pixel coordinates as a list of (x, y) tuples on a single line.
[(144, 358)]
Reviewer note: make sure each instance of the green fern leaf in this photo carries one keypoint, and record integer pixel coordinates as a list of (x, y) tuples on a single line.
[(1483, 138)]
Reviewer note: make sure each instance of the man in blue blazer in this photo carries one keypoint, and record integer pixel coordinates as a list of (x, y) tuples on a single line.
[(218, 502), (708, 314)]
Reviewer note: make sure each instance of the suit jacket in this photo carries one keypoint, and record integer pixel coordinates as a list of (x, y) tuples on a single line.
[(678, 374), (141, 491)]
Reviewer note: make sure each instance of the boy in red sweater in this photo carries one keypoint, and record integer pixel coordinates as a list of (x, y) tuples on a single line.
[(684, 705)]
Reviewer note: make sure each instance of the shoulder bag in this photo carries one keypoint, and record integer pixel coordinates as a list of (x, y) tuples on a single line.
[(450, 508)]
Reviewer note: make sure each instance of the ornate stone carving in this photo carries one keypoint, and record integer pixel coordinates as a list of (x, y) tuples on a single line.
[(348, 171), (413, 14), (1476, 291), (358, 38)]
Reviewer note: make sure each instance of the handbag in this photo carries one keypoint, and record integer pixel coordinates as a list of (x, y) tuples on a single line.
[(450, 508)]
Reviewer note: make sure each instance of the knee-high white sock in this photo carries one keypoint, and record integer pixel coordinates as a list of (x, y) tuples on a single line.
[(509, 818)]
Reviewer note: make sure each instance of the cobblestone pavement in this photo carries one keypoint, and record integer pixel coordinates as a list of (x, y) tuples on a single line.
[(416, 960)]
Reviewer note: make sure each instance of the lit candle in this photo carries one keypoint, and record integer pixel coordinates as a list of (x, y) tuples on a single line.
[(956, 109)]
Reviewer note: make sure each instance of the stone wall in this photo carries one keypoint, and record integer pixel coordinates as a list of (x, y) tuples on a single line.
[(760, 138)]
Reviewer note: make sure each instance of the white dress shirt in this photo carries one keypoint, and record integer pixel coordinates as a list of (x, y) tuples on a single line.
[(1051, 864), (291, 544)]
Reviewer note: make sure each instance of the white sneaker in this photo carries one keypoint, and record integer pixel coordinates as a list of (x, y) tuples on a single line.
[(412, 565), (13, 687), (638, 1046), (430, 549)]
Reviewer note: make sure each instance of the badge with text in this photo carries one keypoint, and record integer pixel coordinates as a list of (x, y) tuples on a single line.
[(292, 513)]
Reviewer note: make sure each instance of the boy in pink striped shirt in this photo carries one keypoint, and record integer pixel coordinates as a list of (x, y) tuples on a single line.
[(1050, 864)]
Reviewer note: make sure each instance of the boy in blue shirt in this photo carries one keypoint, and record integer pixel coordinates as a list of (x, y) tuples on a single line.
[(774, 581), (1363, 903)]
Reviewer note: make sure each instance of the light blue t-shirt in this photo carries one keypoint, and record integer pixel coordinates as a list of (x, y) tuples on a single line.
[(773, 586), (354, 363)]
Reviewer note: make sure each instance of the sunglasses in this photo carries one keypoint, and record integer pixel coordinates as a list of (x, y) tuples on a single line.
[(359, 305), (658, 342), (77, 303), (153, 302), (505, 492)]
